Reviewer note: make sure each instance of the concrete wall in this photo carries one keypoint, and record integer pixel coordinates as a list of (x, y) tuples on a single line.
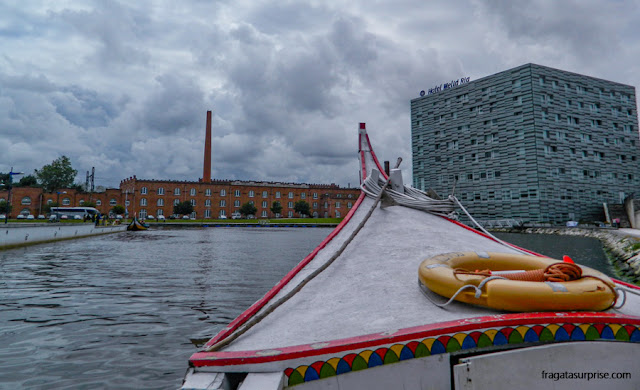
[(14, 235)]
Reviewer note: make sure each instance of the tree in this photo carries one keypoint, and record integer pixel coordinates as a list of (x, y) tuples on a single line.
[(301, 207), (4, 181), (4, 207), (28, 181), (118, 209), (58, 174), (248, 209), (276, 208), (183, 208)]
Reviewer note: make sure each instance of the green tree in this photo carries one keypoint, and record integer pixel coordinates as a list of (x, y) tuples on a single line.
[(58, 174), (183, 208), (301, 207), (276, 208), (28, 181), (248, 209), (118, 209), (4, 181), (4, 207)]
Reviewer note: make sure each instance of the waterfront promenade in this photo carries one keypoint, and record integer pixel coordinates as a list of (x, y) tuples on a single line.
[(14, 235)]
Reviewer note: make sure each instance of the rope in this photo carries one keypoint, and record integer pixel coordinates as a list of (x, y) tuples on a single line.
[(411, 198), (478, 290), (454, 199), (260, 316)]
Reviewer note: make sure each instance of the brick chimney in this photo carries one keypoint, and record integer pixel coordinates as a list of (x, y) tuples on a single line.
[(206, 170)]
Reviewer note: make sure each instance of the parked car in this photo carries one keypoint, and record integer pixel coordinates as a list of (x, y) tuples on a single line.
[(77, 217), (41, 216), (151, 217), (21, 216), (185, 217), (236, 216), (30, 216), (64, 216), (222, 217), (119, 216), (161, 218), (2, 216)]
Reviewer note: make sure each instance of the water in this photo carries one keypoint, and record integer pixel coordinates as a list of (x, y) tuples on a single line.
[(120, 311), (583, 250), (127, 310)]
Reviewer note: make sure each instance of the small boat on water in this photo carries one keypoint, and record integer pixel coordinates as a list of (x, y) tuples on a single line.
[(353, 314), (136, 225)]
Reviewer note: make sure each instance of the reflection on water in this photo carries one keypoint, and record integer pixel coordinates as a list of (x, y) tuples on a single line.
[(121, 310), (124, 311)]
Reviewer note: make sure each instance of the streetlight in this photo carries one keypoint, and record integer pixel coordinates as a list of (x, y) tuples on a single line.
[(58, 205), (11, 173)]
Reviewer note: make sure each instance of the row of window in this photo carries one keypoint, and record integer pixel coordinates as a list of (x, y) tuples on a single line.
[(236, 203), (223, 213), (237, 193)]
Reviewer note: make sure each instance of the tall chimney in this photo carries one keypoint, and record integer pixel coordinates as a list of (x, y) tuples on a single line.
[(206, 170)]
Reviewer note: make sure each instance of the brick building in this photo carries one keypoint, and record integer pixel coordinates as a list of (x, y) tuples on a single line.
[(210, 198)]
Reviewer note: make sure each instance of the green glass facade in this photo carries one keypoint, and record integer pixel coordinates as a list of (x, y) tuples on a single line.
[(531, 143)]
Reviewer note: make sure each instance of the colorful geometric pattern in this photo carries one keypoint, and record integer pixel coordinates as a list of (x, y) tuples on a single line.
[(459, 341)]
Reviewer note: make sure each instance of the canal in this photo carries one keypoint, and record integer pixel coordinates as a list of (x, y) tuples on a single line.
[(127, 310)]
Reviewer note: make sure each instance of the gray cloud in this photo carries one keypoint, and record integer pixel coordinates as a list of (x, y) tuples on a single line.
[(125, 86)]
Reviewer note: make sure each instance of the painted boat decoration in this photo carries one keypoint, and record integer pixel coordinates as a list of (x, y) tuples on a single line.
[(351, 315), (136, 225)]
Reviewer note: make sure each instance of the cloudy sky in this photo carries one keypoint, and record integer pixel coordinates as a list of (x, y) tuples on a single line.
[(124, 86)]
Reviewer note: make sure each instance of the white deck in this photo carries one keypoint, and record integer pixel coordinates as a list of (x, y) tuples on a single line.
[(372, 287)]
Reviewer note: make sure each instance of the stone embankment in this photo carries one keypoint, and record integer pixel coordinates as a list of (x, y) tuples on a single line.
[(622, 248)]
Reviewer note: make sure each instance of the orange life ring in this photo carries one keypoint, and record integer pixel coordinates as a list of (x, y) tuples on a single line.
[(594, 291)]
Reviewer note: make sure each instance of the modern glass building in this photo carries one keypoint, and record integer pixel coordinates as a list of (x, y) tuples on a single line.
[(531, 143)]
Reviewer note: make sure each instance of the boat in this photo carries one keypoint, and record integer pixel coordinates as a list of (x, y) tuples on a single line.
[(353, 314), (136, 225)]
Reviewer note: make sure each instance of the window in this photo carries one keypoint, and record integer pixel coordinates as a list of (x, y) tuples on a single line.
[(176, 202), (26, 200), (236, 193), (264, 204), (160, 191), (315, 195), (236, 203), (98, 203), (207, 213), (337, 205), (223, 203), (315, 205), (112, 202), (160, 202), (252, 194), (143, 190), (207, 192), (223, 192), (176, 191), (207, 203), (143, 202), (159, 212), (278, 194), (127, 202), (66, 202), (223, 213), (349, 205), (290, 195), (290, 205), (303, 195), (337, 214), (192, 192), (264, 194), (193, 202)]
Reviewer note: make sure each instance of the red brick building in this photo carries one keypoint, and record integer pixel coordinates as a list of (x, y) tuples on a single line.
[(210, 198)]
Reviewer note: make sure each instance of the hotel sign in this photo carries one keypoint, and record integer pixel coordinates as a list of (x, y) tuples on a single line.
[(449, 85)]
